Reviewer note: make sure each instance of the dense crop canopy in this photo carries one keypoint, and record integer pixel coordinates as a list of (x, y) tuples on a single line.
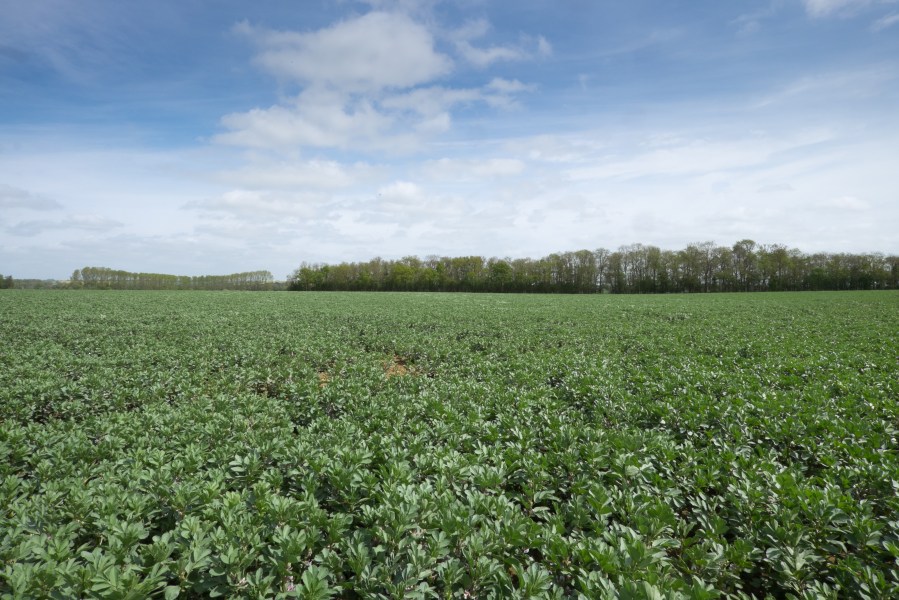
[(448, 446)]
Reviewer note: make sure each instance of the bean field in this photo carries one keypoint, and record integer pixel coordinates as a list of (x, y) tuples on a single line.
[(389, 445)]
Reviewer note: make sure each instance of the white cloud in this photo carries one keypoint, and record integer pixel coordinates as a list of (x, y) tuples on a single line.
[(367, 84), (316, 118), (544, 48), (431, 101), (401, 191), (472, 169), (328, 119), (262, 205), (690, 158), (13, 197), (90, 223), (776, 188), (849, 203), (316, 174), (749, 23), (562, 149), (483, 57), (823, 8), (508, 86), (423, 7), (408, 205), (363, 54), (856, 83), (885, 22)]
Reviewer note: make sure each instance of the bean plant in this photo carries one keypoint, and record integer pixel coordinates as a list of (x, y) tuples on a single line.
[(429, 446)]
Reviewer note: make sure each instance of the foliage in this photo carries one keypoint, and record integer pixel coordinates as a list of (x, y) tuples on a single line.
[(178, 445), (104, 278), (636, 268)]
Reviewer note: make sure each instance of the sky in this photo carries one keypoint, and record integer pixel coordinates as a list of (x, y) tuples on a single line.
[(194, 137)]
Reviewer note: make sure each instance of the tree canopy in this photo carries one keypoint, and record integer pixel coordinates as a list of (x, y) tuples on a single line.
[(637, 268), (105, 278)]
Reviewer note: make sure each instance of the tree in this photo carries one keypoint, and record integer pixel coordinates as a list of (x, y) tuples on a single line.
[(500, 274), (700, 267), (744, 265)]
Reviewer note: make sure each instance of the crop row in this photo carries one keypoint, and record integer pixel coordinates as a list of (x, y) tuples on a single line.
[(448, 446)]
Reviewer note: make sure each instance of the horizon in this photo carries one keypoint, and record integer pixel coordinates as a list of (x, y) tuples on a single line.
[(193, 139)]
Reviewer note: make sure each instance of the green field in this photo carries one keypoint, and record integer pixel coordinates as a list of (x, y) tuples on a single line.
[(342, 445)]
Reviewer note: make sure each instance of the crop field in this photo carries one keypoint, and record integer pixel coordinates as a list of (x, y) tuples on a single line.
[(340, 445)]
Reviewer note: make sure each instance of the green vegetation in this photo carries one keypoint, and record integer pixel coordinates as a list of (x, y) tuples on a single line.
[(199, 444), (103, 278), (705, 267)]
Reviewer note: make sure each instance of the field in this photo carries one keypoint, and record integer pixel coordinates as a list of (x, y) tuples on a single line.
[(194, 444)]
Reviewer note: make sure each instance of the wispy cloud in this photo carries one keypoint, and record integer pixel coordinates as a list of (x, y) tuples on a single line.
[(311, 174), (88, 223), (826, 8), (465, 37), (885, 22), (849, 203), (472, 169), (13, 197), (867, 81), (823, 8), (256, 205)]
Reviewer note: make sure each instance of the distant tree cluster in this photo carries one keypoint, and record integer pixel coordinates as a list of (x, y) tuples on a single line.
[(702, 267), (110, 279), (6, 282)]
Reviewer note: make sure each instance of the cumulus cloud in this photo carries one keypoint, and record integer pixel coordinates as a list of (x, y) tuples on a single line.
[(433, 104), (400, 191), (315, 118), (363, 54), (369, 83), (408, 204), (13, 197), (394, 121)]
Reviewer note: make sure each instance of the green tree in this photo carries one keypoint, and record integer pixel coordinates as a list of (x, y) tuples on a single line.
[(501, 275)]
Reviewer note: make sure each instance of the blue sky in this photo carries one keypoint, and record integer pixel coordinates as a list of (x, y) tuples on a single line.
[(196, 137)]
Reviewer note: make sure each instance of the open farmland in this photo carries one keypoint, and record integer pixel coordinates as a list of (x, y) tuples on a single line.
[(186, 444)]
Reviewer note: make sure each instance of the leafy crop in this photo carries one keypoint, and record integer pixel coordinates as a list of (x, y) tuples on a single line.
[(194, 444)]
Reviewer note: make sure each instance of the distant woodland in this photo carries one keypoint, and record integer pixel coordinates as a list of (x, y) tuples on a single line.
[(635, 269), (103, 278), (703, 267)]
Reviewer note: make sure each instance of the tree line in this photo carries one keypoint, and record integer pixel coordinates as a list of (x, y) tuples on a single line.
[(104, 278), (6, 282), (702, 267)]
